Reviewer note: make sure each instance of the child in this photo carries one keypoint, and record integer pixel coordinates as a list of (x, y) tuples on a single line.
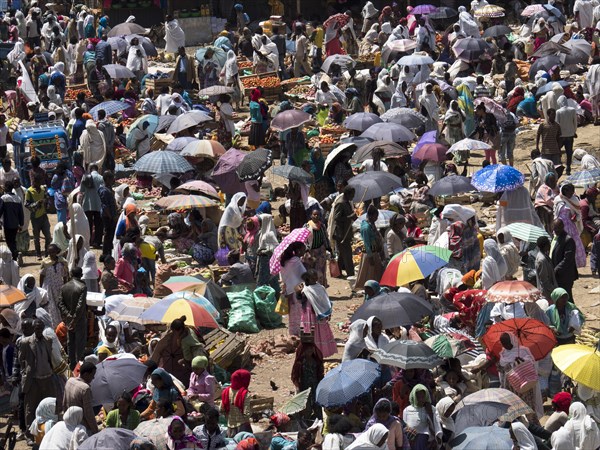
[(595, 255), (202, 383), (209, 434), (316, 310), (142, 283), (452, 385), (308, 370), (148, 256), (234, 405), (109, 281)]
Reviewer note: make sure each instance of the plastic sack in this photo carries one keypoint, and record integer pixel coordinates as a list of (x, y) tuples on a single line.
[(221, 256), (283, 306), (241, 315), (264, 305)]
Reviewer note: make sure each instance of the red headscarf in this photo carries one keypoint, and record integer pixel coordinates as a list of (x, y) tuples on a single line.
[(240, 380), (562, 402), (251, 234), (248, 444), (517, 97), (455, 233), (255, 95)]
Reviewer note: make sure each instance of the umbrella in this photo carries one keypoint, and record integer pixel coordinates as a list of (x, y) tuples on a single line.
[(468, 144), (387, 131), (203, 148), (483, 438), (517, 407), (579, 362), (361, 121), (224, 173), (113, 376), (178, 144), (497, 178), (548, 87), (481, 415), (196, 298), (532, 10), (199, 186), (219, 54), (293, 173), (118, 44), (531, 333), (585, 178), (448, 346), (555, 12), (340, 19), (10, 295), (110, 107), (356, 140), (303, 235), (349, 380), (415, 60), (431, 152), (451, 185), (490, 11), (162, 162), (423, 9), (145, 42), (370, 185), (254, 164), (292, 118), (188, 120), (182, 283), (383, 219), (118, 71), (344, 61), (109, 439), (217, 89), (407, 355), (471, 49), (163, 123), (297, 403), (337, 152), (580, 52), (550, 48), (526, 231), (546, 63), (215, 293), (168, 311), (390, 150), (407, 117), (497, 31), (189, 201), (127, 28), (442, 13), (130, 309), (490, 105), (414, 263), (400, 45), (560, 37), (156, 431), (513, 291), (394, 309)]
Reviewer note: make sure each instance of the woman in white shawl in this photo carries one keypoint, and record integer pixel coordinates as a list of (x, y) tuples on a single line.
[(174, 36), (568, 209), (91, 143), (468, 26), (137, 60), (516, 206), (53, 97), (493, 266), (60, 236), (524, 438), (35, 296), (399, 97), (429, 107), (587, 161), (355, 344), (369, 15), (375, 338), (21, 23), (384, 92), (231, 75), (374, 438), (77, 251), (9, 269), (45, 415), (582, 428), (267, 241), (68, 434), (17, 53), (232, 219), (78, 224), (509, 251)]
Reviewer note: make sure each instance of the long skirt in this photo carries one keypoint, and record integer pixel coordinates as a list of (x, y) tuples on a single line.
[(371, 268), (316, 259), (297, 215), (257, 134), (571, 229), (295, 315), (263, 274), (323, 335)]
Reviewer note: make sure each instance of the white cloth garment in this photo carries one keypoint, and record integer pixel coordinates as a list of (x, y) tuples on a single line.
[(233, 214), (291, 274), (92, 145), (468, 26), (524, 437), (371, 439), (356, 340), (174, 36), (9, 269), (79, 224), (319, 300), (582, 428), (268, 234), (68, 434), (493, 266), (76, 257), (370, 341), (45, 414), (516, 206), (37, 295)]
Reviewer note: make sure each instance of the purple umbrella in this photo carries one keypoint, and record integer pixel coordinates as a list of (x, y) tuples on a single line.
[(224, 173), (292, 118), (429, 137), (423, 9)]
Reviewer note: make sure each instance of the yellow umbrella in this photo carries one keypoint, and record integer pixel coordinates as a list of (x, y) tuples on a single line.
[(580, 363)]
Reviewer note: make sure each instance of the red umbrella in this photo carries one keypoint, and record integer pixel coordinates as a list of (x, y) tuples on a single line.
[(513, 291), (431, 152), (341, 19), (531, 333)]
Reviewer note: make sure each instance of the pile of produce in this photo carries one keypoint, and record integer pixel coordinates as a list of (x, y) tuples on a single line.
[(244, 64), (295, 80), (330, 365), (306, 91), (266, 82), (327, 139), (332, 129), (71, 94), (284, 229), (588, 337)]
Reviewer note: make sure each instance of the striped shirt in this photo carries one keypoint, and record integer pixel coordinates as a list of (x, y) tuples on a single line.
[(550, 135), (481, 91)]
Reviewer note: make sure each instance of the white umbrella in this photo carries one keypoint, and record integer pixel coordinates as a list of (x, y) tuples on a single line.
[(415, 60), (468, 144), (335, 152), (188, 120)]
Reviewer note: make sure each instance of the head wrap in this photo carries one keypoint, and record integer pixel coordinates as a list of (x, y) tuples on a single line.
[(558, 293), (200, 362), (280, 419), (240, 380), (562, 401)]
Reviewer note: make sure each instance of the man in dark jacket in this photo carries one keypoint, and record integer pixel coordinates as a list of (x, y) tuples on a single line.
[(73, 307), (104, 51), (563, 257), (11, 212), (343, 216)]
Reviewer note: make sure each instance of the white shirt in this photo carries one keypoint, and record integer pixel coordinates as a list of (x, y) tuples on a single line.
[(3, 135), (585, 8), (162, 103), (11, 175), (567, 119), (367, 166), (227, 109)]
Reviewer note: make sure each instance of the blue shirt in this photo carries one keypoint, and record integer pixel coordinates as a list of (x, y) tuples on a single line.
[(78, 128), (91, 197)]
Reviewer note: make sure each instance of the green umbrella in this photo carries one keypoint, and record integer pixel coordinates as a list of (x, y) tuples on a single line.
[(446, 346), (297, 403), (526, 232)]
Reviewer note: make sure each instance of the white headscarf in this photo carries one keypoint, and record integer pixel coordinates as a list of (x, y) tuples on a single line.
[(442, 407), (524, 437), (174, 36), (9, 269), (430, 103), (319, 300), (372, 34), (268, 234), (370, 342), (356, 340), (582, 428), (37, 295), (73, 253), (233, 214), (58, 236), (369, 11), (455, 212), (68, 434), (79, 224), (231, 66), (492, 250), (370, 439), (562, 440), (92, 144), (53, 97), (45, 414)]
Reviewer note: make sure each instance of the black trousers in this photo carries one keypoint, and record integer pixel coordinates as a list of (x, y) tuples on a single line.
[(344, 250), (110, 226), (10, 234), (96, 227)]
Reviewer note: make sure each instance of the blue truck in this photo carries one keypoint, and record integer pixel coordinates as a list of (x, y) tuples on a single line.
[(46, 140)]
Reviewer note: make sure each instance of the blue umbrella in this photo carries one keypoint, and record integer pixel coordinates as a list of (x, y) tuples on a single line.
[(220, 54), (153, 122), (483, 438), (349, 380), (548, 87), (110, 107), (556, 12), (497, 178)]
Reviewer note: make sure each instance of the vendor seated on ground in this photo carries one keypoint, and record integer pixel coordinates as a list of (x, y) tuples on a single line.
[(238, 273)]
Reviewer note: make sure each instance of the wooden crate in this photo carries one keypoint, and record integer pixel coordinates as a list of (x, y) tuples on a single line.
[(326, 148), (226, 348), (270, 94), (462, 199), (260, 404), (157, 83)]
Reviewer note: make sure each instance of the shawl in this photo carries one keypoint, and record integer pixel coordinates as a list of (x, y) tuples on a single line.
[(582, 428), (73, 253), (168, 391), (92, 144), (268, 234), (524, 437), (120, 194), (430, 103), (373, 420), (508, 357), (369, 11), (233, 214), (183, 442), (370, 342), (251, 234), (36, 295), (45, 414), (298, 366), (240, 380), (319, 300), (174, 36), (370, 439), (9, 269), (129, 209), (516, 206), (572, 204), (66, 434), (517, 97), (231, 66), (442, 408), (455, 232), (356, 340), (79, 225)]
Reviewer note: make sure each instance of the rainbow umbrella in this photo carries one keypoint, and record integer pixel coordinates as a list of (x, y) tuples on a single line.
[(182, 283), (414, 263), (196, 298), (166, 311)]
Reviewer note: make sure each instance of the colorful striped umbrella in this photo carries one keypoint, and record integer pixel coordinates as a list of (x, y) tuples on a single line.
[(497, 178), (10, 295), (169, 310), (585, 178), (414, 263), (186, 202), (182, 283), (447, 346), (196, 298), (297, 235), (513, 291), (526, 231)]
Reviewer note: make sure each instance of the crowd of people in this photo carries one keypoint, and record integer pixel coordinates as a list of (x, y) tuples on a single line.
[(469, 81)]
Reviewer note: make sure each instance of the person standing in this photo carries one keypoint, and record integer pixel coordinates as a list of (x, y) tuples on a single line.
[(562, 254), (550, 135), (301, 66), (11, 212), (174, 35), (487, 130), (566, 117), (6, 172), (108, 211), (340, 226), (107, 129), (5, 137), (73, 308), (540, 167), (546, 281), (92, 206), (185, 72), (508, 138), (35, 201), (79, 393)]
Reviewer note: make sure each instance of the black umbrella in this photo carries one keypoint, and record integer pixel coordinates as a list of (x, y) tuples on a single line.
[(293, 173), (451, 185), (443, 12), (146, 43), (471, 49), (497, 31), (357, 140), (214, 294), (125, 29), (390, 150), (545, 63), (394, 309), (254, 164), (370, 185)]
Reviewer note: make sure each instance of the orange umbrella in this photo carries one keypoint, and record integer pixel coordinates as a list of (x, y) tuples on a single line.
[(531, 333), (513, 292), (10, 295)]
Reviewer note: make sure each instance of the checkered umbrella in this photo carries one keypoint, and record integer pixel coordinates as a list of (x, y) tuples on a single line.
[(254, 164), (110, 107), (162, 162), (349, 380), (178, 144), (303, 235), (517, 407), (585, 178)]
